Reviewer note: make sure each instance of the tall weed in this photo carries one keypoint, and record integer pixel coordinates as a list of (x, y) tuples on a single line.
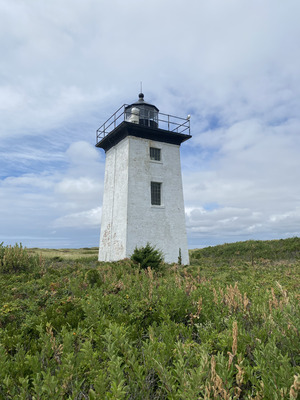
[(17, 259)]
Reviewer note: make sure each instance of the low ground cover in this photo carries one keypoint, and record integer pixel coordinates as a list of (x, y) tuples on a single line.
[(225, 327)]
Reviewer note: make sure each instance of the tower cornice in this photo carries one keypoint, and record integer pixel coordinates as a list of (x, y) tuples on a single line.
[(129, 129)]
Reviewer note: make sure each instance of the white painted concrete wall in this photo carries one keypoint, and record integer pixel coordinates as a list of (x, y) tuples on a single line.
[(128, 218), (114, 206)]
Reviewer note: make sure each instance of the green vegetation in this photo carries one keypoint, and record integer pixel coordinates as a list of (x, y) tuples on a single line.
[(67, 254), (16, 259), (147, 257), (283, 249), (225, 327)]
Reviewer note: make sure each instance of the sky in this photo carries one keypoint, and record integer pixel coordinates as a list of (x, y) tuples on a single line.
[(67, 66)]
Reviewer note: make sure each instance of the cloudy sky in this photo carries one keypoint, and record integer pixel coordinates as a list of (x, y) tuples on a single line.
[(66, 66)]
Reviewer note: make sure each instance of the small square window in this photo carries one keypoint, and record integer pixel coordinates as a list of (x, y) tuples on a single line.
[(154, 154), (155, 193)]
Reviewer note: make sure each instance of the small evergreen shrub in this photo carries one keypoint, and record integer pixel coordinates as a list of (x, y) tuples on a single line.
[(16, 259), (148, 256), (179, 258)]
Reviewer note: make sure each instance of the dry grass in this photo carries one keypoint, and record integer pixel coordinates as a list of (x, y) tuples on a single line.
[(66, 254)]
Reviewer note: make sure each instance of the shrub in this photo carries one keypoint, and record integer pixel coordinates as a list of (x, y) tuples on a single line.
[(16, 259), (67, 313), (179, 258), (93, 277), (147, 256)]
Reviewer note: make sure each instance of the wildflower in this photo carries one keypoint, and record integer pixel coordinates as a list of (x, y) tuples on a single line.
[(295, 388), (234, 336)]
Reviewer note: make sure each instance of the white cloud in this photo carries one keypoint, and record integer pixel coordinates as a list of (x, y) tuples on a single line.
[(83, 219), (32, 204), (10, 99), (28, 181), (82, 154), (81, 186), (234, 66)]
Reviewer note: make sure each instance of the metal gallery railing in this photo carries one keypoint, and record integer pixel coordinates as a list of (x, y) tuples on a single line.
[(167, 122)]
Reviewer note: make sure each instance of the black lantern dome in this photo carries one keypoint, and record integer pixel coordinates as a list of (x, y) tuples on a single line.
[(142, 113)]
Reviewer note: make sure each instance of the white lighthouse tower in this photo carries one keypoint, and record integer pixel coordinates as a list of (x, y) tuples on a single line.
[(143, 197)]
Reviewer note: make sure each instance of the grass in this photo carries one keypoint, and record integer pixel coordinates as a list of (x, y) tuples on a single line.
[(66, 254), (251, 250)]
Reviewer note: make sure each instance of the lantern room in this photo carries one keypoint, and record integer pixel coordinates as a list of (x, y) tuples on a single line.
[(142, 113)]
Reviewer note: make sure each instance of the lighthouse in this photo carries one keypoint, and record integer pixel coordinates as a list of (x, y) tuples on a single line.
[(143, 197)]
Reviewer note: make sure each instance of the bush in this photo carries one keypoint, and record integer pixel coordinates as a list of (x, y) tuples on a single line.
[(16, 259), (148, 256), (93, 277)]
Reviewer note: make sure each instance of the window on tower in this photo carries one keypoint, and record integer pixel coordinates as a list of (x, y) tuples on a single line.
[(155, 154), (155, 193)]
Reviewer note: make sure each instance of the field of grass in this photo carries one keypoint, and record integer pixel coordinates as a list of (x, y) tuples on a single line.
[(225, 327), (66, 254)]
